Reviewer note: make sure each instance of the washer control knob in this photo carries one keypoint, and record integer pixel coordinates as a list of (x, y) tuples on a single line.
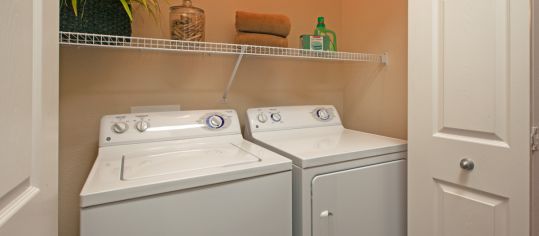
[(119, 127), (262, 117), (215, 121), (142, 126), (323, 114), (276, 117)]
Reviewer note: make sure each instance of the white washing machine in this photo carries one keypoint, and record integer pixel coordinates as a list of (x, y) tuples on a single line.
[(345, 182), (184, 173)]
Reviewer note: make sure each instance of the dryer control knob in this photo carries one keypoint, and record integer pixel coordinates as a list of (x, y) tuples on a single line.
[(262, 117), (142, 126), (276, 117), (215, 121), (323, 114), (119, 127)]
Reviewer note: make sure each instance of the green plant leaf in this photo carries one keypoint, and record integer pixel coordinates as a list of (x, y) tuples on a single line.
[(151, 6), (145, 3), (75, 8), (154, 15), (127, 9)]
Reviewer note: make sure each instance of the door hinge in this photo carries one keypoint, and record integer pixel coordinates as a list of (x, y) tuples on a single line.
[(534, 139)]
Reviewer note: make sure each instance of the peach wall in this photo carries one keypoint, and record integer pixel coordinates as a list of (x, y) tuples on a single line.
[(375, 98), (95, 82), (220, 17)]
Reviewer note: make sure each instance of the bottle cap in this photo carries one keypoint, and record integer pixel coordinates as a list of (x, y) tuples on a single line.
[(320, 19)]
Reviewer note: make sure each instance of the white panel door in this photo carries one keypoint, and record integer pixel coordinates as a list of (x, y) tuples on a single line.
[(535, 121), (469, 103), (29, 105), (369, 201)]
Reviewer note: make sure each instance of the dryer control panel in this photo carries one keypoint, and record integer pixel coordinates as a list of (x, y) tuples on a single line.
[(291, 117), (159, 126)]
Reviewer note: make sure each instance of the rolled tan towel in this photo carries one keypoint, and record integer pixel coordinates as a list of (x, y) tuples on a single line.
[(274, 24), (261, 40)]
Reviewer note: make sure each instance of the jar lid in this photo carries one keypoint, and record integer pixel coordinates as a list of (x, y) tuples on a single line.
[(186, 5)]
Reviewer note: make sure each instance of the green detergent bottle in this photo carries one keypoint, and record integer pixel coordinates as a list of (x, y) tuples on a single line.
[(321, 30)]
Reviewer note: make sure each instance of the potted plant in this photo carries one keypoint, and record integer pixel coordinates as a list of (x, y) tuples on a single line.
[(110, 17)]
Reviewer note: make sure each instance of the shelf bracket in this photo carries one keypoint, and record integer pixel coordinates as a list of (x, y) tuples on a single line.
[(385, 58), (234, 72)]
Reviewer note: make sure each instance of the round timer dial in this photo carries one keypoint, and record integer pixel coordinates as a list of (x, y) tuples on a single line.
[(215, 121), (119, 127)]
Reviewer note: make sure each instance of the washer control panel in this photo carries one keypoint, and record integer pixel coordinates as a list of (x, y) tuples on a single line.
[(150, 127), (291, 117)]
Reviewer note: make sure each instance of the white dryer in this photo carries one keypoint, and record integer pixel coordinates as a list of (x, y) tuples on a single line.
[(184, 173), (346, 182)]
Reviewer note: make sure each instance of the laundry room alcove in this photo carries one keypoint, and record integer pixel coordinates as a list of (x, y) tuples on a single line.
[(98, 79)]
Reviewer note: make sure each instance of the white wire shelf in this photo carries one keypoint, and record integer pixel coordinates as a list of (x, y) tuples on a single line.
[(110, 41)]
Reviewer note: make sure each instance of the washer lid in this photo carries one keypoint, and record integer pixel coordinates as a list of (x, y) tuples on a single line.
[(171, 160), (310, 147), (137, 170)]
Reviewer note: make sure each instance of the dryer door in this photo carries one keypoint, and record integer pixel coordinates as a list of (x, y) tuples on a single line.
[(369, 200)]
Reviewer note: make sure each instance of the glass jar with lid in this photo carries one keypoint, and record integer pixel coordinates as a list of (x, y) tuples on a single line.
[(187, 22)]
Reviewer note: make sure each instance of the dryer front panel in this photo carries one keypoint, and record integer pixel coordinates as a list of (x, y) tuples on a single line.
[(370, 200)]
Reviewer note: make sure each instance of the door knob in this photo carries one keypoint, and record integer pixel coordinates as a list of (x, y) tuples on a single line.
[(467, 164)]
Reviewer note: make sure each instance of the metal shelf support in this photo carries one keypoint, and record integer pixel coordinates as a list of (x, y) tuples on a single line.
[(234, 72), (385, 58)]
